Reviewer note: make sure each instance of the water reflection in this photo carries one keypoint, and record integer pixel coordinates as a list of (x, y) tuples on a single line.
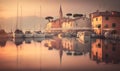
[(28, 40), (55, 54), (72, 46), (107, 51), (18, 41), (3, 42)]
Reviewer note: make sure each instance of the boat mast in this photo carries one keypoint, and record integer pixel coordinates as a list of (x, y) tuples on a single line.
[(40, 17), (17, 15), (21, 18)]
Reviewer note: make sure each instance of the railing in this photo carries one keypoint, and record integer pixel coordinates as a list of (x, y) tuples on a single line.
[(83, 28)]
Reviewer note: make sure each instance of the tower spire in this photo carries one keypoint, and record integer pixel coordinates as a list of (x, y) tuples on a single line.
[(61, 13)]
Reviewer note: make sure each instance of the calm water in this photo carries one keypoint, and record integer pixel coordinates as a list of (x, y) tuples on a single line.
[(59, 54)]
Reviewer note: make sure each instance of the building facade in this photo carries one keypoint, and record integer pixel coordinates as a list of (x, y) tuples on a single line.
[(108, 21), (67, 24)]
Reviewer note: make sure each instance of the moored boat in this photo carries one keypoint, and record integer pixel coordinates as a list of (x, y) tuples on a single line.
[(28, 34), (19, 33), (38, 34)]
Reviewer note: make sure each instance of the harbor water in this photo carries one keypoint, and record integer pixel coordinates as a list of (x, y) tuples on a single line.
[(59, 54)]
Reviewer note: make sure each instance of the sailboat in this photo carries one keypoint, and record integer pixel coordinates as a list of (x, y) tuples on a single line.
[(39, 34), (10, 34), (3, 33), (28, 34), (18, 32)]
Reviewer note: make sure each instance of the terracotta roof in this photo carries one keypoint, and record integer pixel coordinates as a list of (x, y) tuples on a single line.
[(106, 13)]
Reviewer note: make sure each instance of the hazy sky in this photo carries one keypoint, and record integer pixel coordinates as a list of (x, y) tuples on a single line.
[(31, 8), (51, 7)]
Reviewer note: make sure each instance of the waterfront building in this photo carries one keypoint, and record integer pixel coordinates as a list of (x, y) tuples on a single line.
[(108, 21), (67, 24)]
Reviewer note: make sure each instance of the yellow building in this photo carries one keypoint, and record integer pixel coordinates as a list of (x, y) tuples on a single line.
[(108, 21)]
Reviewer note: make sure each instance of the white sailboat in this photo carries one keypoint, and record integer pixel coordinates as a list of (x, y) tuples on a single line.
[(39, 34), (18, 32), (3, 33), (28, 34)]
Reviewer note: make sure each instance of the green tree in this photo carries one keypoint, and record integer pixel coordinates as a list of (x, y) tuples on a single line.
[(77, 15), (49, 18), (69, 14)]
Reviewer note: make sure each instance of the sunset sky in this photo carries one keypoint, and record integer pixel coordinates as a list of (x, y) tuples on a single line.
[(8, 8)]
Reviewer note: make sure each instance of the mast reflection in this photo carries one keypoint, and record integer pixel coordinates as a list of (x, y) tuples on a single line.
[(71, 46)]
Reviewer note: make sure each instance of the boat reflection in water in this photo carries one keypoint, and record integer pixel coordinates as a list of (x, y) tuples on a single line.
[(3, 41), (59, 54), (105, 51), (28, 40), (18, 41), (38, 39)]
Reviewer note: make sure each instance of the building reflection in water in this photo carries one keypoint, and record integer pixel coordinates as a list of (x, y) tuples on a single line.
[(58, 54), (107, 51), (71, 46)]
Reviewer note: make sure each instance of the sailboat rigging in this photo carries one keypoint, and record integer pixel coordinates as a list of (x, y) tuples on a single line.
[(18, 32)]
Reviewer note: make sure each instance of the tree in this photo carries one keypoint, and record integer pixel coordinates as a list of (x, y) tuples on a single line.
[(77, 15), (49, 18), (69, 14)]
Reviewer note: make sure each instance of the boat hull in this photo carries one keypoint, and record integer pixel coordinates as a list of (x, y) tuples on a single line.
[(39, 35), (28, 35), (19, 35)]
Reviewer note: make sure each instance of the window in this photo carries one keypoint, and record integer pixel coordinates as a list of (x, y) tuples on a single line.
[(106, 55), (113, 49), (96, 19), (99, 45), (113, 25), (99, 25), (114, 32), (106, 26), (106, 18), (106, 47)]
